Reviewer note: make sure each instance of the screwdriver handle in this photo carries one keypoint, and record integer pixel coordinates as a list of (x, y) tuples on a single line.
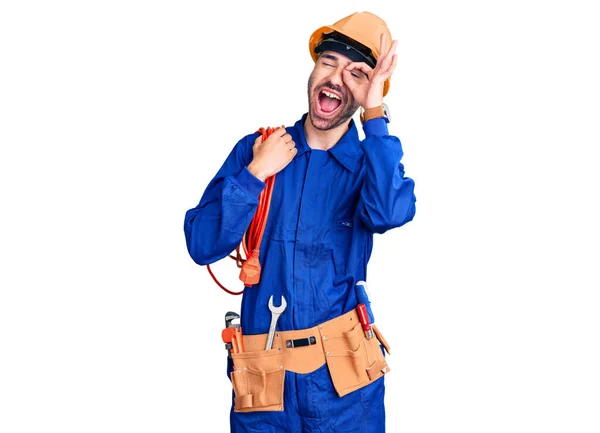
[(239, 339), (363, 316)]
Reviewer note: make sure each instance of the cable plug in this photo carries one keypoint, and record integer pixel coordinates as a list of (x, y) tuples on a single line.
[(250, 273)]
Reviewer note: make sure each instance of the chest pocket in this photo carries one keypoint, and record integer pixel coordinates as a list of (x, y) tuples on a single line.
[(342, 238)]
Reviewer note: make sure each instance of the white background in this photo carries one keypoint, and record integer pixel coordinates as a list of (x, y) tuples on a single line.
[(114, 115)]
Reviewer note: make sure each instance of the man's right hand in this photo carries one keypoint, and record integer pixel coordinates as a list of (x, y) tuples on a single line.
[(273, 155)]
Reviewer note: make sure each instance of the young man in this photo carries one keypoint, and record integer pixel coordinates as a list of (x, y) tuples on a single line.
[(332, 192)]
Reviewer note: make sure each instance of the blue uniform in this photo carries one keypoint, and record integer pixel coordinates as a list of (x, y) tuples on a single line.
[(325, 208)]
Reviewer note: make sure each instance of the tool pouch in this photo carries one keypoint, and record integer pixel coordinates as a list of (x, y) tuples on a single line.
[(258, 378), (354, 361)]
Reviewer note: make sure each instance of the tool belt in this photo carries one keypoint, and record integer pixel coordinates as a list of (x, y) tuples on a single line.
[(353, 361)]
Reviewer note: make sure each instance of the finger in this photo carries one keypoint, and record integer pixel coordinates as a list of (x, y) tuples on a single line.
[(386, 73), (394, 63), (385, 61), (357, 72), (276, 135), (392, 49), (383, 44), (258, 140), (286, 138), (349, 80), (279, 132), (361, 66), (291, 145)]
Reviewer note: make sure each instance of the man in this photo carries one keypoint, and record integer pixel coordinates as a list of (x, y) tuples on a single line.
[(332, 192)]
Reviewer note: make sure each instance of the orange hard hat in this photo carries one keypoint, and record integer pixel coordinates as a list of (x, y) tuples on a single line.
[(363, 27)]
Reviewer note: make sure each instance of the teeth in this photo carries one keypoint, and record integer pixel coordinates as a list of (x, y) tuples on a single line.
[(331, 95)]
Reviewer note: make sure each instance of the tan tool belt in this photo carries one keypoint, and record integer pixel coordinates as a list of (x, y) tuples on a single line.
[(353, 361)]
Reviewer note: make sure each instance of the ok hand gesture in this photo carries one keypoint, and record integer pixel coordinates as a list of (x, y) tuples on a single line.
[(366, 83)]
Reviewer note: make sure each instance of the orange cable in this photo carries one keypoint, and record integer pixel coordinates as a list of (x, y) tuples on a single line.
[(250, 267)]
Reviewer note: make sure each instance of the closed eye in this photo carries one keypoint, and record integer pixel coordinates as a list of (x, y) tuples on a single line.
[(357, 73)]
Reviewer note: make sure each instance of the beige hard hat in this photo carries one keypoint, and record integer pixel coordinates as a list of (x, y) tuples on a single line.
[(362, 27)]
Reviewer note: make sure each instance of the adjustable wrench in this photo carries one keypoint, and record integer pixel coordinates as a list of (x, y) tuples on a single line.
[(275, 313), (232, 334), (230, 316)]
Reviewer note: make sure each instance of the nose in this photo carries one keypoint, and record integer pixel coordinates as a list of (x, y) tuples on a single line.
[(336, 76)]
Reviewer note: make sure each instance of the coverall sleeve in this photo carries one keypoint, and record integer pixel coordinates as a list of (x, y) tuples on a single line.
[(387, 198), (215, 227)]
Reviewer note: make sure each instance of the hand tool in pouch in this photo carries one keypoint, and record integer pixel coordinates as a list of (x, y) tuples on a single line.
[(361, 309), (362, 296), (275, 313), (232, 334)]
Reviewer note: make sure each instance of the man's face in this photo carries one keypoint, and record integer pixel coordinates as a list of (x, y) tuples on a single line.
[(330, 102)]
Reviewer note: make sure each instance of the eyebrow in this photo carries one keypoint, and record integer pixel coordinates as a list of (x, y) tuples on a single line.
[(330, 56), (334, 58)]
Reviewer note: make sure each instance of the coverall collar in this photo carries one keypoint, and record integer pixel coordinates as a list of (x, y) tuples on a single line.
[(346, 151)]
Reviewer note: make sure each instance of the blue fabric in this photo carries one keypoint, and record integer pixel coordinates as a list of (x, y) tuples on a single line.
[(376, 126), (312, 406), (326, 207)]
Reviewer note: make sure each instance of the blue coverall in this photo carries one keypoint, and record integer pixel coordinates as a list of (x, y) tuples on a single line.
[(325, 208)]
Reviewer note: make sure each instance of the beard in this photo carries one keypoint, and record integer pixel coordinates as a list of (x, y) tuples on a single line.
[(345, 111)]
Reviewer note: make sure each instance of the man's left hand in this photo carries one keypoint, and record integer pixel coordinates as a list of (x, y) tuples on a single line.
[(366, 83)]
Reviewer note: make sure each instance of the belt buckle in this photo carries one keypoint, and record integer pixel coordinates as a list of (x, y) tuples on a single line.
[(299, 342)]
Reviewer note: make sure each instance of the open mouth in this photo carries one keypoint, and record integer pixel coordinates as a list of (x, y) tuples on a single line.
[(328, 102)]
